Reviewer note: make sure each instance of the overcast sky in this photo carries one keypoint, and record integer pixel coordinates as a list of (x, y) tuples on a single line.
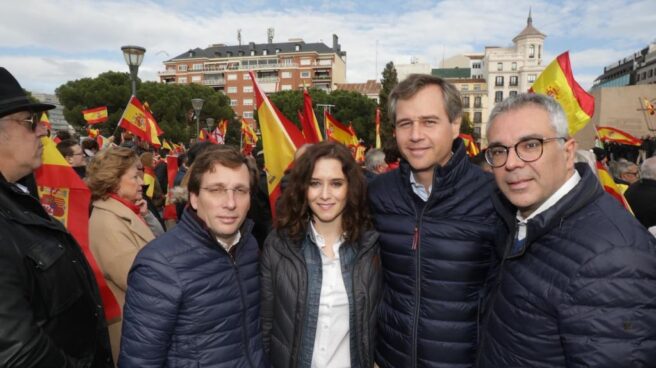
[(47, 43)]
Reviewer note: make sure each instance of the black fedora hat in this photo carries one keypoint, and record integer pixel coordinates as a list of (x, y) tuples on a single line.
[(13, 98)]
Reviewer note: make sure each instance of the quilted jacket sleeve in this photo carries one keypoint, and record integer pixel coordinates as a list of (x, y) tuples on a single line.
[(150, 311), (266, 294), (609, 310)]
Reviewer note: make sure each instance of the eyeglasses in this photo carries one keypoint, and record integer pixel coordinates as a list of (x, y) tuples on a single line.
[(221, 193), (527, 149), (634, 173), (31, 123)]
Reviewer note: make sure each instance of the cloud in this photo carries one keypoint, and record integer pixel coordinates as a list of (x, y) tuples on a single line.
[(71, 39)]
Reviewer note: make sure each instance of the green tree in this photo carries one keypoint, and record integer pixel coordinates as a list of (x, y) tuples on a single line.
[(388, 82), (466, 125), (169, 103)]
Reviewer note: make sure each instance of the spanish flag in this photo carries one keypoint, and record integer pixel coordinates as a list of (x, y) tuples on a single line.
[(204, 135), (45, 121), (649, 107), (167, 145), (66, 198), (338, 132), (95, 115), (171, 171), (610, 186), (149, 180), (280, 139), (93, 133), (378, 143), (249, 138), (470, 144), (609, 134), (310, 125), (137, 120), (557, 81)]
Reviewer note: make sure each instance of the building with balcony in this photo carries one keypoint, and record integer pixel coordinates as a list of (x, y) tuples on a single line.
[(635, 69), (278, 66)]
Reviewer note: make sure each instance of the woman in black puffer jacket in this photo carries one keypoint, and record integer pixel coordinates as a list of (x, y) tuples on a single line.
[(321, 273)]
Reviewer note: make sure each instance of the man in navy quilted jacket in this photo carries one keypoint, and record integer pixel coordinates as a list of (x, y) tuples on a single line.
[(193, 297), (577, 277), (436, 225)]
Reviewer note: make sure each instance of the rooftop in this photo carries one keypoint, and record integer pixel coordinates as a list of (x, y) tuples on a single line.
[(529, 30)]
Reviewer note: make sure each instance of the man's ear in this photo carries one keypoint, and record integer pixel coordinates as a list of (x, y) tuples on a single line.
[(455, 127), (193, 201), (570, 152)]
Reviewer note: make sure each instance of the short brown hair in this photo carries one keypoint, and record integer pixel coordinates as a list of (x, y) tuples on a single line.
[(225, 155), (106, 168), (415, 83), (65, 147), (294, 210)]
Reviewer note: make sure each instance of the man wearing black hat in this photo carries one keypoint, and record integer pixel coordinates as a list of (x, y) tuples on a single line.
[(50, 311)]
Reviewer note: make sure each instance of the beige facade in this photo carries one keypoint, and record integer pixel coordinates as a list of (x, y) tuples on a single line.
[(622, 108), (474, 101), (404, 70), (277, 67)]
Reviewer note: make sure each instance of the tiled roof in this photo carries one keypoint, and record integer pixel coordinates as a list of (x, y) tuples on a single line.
[(529, 30), (283, 47), (366, 88)]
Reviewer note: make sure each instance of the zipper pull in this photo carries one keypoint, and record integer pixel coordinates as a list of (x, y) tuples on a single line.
[(415, 239)]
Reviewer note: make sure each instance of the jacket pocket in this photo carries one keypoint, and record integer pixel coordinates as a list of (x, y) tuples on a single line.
[(56, 276)]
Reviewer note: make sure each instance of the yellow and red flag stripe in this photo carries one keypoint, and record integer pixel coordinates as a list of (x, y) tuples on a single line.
[(338, 132), (470, 144), (557, 81), (66, 198), (610, 186), (280, 139), (137, 120), (310, 125), (610, 134), (95, 115), (649, 107), (149, 180), (171, 171), (45, 121)]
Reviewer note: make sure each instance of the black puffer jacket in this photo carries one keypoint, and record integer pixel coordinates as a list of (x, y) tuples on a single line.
[(284, 294), (436, 256), (580, 293), (50, 310)]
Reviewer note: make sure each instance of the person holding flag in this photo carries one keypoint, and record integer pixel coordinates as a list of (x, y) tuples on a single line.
[(51, 313)]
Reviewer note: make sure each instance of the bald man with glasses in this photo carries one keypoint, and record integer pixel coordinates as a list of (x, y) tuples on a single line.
[(575, 284), (50, 310)]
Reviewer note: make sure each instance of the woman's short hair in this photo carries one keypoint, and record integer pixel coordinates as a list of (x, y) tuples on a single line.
[(294, 211), (106, 168)]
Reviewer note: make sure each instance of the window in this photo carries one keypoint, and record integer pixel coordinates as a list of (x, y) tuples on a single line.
[(644, 75), (512, 94), (477, 87), (498, 96), (182, 68), (247, 76), (286, 87), (288, 61), (286, 75), (247, 102), (305, 74), (306, 61), (182, 79), (499, 66), (531, 51), (326, 62), (651, 73), (530, 78), (498, 81), (197, 67), (248, 114), (465, 101), (465, 116), (465, 87), (233, 102), (252, 52), (232, 89), (265, 52), (539, 51), (297, 47), (277, 50), (196, 78), (514, 80), (248, 89), (513, 66), (637, 77), (476, 65), (478, 117), (477, 102), (232, 76)]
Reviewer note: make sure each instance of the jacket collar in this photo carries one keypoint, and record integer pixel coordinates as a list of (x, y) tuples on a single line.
[(586, 191), (137, 225), (198, 230)]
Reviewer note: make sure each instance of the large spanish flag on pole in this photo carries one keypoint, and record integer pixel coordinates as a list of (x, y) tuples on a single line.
[(338, 132), (66, 198), (557, 81), (309, 123), (95, 115), (140, 122), (280, 139), (609, 134)]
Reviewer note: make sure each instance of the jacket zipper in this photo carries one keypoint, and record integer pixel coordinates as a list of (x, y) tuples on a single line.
[(416, 238)]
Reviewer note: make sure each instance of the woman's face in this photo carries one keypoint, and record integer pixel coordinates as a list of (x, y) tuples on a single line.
[(327, 191), (129, 187)]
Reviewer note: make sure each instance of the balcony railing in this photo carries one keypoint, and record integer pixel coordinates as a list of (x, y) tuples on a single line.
[(167, 72), (214, 82)]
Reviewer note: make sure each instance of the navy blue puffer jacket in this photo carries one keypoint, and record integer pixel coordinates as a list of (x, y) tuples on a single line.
[(580, 293), (189, 304), (435, 258)]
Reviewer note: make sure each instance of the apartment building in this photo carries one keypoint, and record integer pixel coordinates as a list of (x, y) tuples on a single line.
[(278, 66)]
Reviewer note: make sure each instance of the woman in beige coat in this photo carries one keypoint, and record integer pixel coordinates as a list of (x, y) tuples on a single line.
[(118, 227)]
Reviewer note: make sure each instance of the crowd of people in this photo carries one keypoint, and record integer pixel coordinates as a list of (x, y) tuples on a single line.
[(422, 257)]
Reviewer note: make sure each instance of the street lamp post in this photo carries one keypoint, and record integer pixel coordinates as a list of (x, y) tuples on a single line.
[(197, 104), (133, 57)]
